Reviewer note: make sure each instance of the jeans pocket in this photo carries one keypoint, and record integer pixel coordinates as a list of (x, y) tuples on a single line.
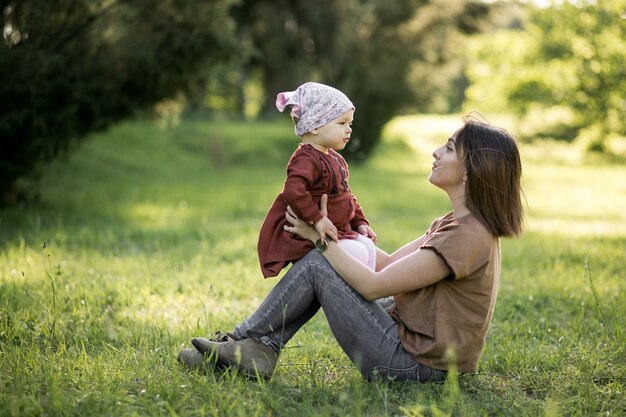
[(418, 373)]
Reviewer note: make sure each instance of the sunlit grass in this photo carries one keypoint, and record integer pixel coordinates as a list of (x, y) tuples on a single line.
[(151, 240)]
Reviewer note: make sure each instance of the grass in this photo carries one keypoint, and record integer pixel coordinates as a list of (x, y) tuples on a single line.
[(150, 238)]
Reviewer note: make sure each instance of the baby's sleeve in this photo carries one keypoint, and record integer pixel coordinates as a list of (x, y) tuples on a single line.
[(303, 171)]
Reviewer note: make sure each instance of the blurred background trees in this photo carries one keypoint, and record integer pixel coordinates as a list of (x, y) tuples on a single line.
[(567, 61), (74, 66), (70, 67), (387, 56)]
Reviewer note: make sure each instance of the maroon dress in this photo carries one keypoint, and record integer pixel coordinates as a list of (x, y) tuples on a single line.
[(310, 174)]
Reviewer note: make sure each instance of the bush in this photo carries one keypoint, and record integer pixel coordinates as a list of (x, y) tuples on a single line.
[(71, 67)]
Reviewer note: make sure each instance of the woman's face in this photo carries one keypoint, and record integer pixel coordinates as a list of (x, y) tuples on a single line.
[(448, 169)]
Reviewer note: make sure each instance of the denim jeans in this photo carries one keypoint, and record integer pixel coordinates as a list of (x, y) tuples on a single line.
[(363, 329)]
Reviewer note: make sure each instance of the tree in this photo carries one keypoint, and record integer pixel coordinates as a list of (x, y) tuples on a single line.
[(381, 53), (70, 67), (570, 55), (396, 61)]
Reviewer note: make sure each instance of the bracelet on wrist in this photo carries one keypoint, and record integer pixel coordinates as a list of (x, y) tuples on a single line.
[(322, 245)]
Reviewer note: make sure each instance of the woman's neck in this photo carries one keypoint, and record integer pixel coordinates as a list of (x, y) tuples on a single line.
[(459, 203)]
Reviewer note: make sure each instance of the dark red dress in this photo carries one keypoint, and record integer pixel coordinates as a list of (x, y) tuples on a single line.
[(310, 174)]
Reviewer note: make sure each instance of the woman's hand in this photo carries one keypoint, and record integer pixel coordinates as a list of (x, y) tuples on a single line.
[(299, 227)]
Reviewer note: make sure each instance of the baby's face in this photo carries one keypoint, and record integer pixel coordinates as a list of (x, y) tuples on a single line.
[(335, 134)]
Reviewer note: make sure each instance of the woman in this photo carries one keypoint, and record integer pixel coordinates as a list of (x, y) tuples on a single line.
[(443, 284)]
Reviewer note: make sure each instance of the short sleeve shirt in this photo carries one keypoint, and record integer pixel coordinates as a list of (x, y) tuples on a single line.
[(448, 321)]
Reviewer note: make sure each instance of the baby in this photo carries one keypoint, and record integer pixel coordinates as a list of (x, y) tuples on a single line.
[(322, 116)]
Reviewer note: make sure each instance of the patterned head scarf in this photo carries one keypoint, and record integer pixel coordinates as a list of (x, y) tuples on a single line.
[(313, 105)]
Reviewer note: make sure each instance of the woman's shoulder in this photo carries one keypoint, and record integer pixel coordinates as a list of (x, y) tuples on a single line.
[(467, 220), (473, 224), (464, 243), (467, 227)]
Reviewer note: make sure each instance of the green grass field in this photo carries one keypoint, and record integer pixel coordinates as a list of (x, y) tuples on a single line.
[(150, 240)]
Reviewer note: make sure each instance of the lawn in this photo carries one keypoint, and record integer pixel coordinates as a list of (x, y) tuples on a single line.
[(146, 237)]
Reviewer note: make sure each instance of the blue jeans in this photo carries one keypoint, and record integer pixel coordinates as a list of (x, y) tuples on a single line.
[(364, 330)]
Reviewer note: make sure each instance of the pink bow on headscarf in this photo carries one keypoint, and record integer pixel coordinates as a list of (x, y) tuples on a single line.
[(313, 105)]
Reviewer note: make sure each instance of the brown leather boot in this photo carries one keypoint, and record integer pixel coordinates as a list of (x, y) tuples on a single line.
[(253, 359), (195, 361)]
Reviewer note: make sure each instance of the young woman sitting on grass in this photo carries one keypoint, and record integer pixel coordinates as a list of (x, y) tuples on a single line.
[(443, 284)]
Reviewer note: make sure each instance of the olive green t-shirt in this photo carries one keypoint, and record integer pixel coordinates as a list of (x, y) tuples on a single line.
[(447, 322)]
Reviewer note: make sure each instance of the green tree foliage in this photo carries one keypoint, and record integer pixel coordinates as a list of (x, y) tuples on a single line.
[(571, 55), (70, 67), (397, 59), (383, 54)]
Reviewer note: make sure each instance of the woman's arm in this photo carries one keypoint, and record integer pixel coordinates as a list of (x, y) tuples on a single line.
[(416, 269), (383, 259)]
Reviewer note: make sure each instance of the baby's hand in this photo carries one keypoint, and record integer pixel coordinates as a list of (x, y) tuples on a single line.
[(325, 227), (367, 231)]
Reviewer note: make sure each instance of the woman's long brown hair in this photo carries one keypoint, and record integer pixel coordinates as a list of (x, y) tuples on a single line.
[(494, 169)]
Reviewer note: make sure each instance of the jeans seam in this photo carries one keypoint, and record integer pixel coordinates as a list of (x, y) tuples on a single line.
[(410, 373), (392, 368), (419, 372)]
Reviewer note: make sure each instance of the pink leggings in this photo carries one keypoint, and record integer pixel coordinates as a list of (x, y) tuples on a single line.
[(362, 248)]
